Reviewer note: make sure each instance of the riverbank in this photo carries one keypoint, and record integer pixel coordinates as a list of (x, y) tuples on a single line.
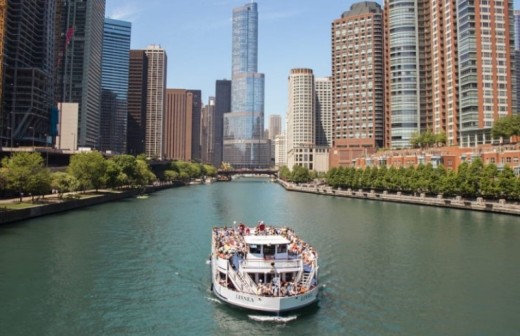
[(480, 204), (51, 205)]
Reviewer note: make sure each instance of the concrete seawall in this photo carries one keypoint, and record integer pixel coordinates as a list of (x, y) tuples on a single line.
[(52, 208), (500, 206)]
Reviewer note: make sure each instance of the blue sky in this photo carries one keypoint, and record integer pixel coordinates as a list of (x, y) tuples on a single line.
[(196, 35)]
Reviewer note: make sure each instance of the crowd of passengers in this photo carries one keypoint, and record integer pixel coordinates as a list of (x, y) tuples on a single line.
[(230, 241), (230, 244)]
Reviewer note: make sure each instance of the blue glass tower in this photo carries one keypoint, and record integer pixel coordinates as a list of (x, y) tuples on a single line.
[(114, 84), (244, 142)]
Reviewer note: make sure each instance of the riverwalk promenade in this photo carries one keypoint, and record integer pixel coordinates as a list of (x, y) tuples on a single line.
[(50, 204), (480, 204)]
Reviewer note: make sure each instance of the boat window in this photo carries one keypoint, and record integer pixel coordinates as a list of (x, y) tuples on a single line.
[(269, 249), (281, 248), (255, 249)]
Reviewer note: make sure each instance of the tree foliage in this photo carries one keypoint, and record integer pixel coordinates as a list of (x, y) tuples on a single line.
[(506, 127), (89, 169), (26, 174), (471, 180)]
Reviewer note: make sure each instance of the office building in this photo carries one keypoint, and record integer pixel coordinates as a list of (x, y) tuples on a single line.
[(178, 124), (196, 115), (222, 106), (208, 132), (244, 143), (275, 126), (137, 97), (280, 151), (323, 125), (155, 100), (82, 24), (27, 62), (114, 85)]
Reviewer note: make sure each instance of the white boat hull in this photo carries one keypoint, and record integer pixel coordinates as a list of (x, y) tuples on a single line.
[(265, 303)]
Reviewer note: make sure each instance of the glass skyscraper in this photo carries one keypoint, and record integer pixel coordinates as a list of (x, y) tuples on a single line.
[(114, 84), (244, 142)]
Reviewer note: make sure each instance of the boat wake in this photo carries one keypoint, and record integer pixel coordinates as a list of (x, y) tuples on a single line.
[(281, 319), (214, 300)]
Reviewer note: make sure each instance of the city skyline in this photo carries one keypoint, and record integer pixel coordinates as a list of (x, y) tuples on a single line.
[(298, 44)]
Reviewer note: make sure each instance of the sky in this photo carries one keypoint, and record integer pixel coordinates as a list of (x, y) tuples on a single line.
[(196, 35)]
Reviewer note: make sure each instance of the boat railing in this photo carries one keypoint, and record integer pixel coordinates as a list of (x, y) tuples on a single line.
[(266, 264), (308, 277), (239, 282)]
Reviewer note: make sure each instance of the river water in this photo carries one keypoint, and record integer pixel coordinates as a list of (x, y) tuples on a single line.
[(138, 267)]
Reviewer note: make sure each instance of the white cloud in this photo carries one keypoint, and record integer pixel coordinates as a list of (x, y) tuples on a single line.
[(127, 12)]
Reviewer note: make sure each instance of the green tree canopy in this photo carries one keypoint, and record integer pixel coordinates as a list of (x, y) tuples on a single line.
[(25, 173), (506, 126), (89, 169)]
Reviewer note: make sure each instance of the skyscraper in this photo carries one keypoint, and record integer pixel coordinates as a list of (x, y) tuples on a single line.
[(323, 132), (114, 84), (302, 123), (222, 105), (196, 114), (517, 59), (80, 69), (155, 99), (137, 94), (208, 132), (358, 82), (4, 120), (178, 124), (28, 56), (275, 125), (244, 143)]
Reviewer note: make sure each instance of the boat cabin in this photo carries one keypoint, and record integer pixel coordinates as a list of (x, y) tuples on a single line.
[(267, 247)]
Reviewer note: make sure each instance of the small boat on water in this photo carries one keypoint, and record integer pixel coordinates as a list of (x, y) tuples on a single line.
[(263, 268)]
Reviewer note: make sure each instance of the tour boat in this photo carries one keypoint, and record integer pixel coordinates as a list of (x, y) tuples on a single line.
[(263, 268)]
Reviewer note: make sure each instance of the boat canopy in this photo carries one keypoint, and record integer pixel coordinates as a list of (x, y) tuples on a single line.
[(266, 240)]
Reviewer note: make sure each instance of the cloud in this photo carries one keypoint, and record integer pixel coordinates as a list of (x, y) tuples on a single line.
[(127, 12)]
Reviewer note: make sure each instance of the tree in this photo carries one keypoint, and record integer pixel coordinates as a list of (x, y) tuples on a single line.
[(508, 183), (89, 169), (210, 170), (300, 174), (63, 182), (506, 127), (25, 173), (171, 175), (144, 174), (284, 173)]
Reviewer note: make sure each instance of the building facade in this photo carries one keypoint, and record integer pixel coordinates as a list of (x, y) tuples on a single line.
[(137, 98), (208, 132), (358, 82), (280, 150), (196, 115), (323, 89), (517, 59), (114, 85), (244, 143), (82, 25), (178, 124), (222, 106), (275, 126), (155, 100), (27, 65)]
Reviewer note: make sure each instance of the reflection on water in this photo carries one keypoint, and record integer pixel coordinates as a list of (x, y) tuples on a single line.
[(139, 267)]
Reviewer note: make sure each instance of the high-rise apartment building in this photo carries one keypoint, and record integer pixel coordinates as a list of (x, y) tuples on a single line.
[(517, 59), (449, 69), (357, 82), (27, 62), (114, 85), (280, 150), (323, 89), (155, 100), (302, 148), (178, 124), (79, 72), (222, 106), (244, 143), (137, 97), (275, 125), (208, 132)]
